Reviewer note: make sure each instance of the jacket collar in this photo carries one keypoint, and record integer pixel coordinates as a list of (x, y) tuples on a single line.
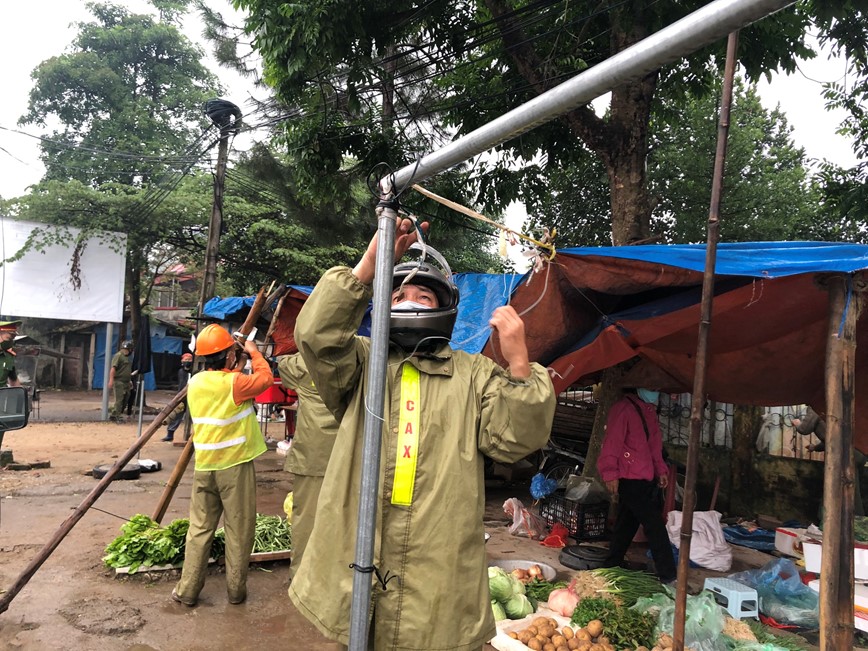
[(436, 362)]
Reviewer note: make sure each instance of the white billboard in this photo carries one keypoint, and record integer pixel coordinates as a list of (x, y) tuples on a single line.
[(59, 282)]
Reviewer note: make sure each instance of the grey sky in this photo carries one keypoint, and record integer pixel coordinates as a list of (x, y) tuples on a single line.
[(35, 30)]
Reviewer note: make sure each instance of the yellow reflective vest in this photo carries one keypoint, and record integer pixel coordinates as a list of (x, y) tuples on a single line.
[(224, 434)]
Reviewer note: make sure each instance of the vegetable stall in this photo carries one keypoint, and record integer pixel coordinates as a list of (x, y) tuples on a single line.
[(612, 609)]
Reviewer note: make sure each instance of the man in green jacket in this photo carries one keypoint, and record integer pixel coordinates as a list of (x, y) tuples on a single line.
[(120, 379), (445, 409), (312, 444), (8, 373)]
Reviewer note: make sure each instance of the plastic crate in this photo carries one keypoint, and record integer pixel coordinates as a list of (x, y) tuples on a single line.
[(584, 521)]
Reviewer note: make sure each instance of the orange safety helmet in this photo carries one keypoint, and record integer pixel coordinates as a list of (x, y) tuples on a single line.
[(186, 357), (212, 340)]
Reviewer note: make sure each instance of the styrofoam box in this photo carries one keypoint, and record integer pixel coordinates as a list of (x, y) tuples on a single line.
[(814, 559), (788, 540), (860, 604), (502, 641)]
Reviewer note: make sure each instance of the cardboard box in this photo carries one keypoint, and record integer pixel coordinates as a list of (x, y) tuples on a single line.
[(788, 540), (814, 558)]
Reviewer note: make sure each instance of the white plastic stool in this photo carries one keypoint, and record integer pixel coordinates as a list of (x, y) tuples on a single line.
[(739, 600)]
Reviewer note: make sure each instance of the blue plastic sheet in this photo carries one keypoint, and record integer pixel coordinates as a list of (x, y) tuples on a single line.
[(761, 539)]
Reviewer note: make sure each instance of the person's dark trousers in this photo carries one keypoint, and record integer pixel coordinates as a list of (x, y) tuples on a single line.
[(639, 503)]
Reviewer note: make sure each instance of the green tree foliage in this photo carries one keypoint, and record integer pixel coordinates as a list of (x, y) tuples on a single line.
[(127, 98), (845, 191), (766, 191), (345, 65)]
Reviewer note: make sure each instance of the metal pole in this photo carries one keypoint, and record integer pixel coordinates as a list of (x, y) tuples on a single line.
[(693, 32), (836, 570), (374, 399), (698, 401), (109, 333), (209, 282)]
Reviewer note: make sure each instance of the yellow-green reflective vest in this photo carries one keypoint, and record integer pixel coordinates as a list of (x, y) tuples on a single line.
[(224, 434)]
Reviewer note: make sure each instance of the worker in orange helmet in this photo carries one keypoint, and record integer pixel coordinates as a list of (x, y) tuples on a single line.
[(226, 438)]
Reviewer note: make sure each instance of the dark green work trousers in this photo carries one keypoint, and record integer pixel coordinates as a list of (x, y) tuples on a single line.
[(232, 494)]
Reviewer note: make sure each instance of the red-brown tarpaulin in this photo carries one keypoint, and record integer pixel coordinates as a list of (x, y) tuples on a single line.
[(602, 306)]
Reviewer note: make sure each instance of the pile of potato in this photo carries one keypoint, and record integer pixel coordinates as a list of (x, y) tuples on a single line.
[(543, 634)]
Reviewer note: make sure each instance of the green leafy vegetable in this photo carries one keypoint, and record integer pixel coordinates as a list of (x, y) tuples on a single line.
[(517, 586), (629, 585), (540, 589), (518, 607), (499, 585), (497, 609), (272, 534), (144, 542)]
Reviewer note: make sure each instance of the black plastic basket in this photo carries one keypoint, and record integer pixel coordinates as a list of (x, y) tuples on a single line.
[(584, 521)]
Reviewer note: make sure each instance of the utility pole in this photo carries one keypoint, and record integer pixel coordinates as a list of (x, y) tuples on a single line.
[(227, 117)]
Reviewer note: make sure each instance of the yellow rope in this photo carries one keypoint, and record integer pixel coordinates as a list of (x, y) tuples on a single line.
[(550, 247)]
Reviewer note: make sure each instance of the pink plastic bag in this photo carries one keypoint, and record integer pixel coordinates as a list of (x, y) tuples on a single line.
[(524, 523)]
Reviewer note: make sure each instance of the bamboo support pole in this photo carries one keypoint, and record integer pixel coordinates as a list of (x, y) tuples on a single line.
[(174, 481), (698, 402), (836, 570), (88, 501)]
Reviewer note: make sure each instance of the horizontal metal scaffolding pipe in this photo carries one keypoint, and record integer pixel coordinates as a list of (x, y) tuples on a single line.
[(693, 32)]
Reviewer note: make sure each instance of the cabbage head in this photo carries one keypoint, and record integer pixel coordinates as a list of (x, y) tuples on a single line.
[(517, 586), (497, 609), (518, 607), (499, 584)]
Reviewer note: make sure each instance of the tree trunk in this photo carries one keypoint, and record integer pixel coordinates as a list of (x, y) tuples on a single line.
[(628, 150), (608, 395), (746, 421)]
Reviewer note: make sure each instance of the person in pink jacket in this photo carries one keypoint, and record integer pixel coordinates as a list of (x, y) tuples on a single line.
[(632, 467)]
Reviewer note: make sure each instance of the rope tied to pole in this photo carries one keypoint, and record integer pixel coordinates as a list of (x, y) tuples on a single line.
[(373, 569), (545, 244)]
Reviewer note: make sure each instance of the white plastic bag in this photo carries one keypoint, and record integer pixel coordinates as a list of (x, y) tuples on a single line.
[(524, 523), (708, 547)]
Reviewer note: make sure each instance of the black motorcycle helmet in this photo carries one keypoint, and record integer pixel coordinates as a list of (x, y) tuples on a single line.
[(424, 330)]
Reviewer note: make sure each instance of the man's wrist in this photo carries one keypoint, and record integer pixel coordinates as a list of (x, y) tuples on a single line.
[(364, 271)]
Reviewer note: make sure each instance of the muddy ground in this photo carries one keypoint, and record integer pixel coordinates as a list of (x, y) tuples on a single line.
[(74, 602)]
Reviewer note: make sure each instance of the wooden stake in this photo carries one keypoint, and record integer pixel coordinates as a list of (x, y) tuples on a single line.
[(836, 570), (174, 481)]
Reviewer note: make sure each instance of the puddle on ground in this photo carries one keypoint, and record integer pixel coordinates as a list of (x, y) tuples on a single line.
[(100, 616)]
